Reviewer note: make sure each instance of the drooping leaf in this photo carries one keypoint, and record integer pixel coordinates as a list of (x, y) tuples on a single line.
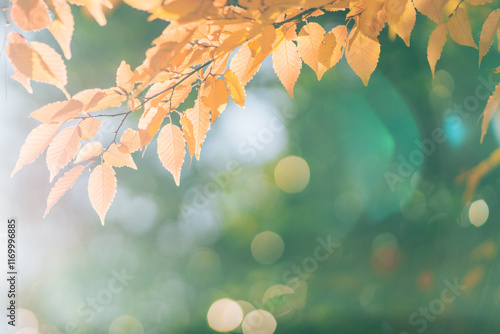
[(436, 45), (434, 9), (199, 116), (63, 25), (124, 76), (102, 189), (241, 65), (308, 43), (216, 97), (490, 27), (150, 123), (62, 185), (459, 28), (362, 54), (492, 107), (95, 8), (171, 150), (287, 64), (404, 22), (89, 127), (63, 148), (130, 138), (235, 88), (36, 142), (188, 132)]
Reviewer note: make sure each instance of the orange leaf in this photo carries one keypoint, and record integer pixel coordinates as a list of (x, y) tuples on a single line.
[(403, 23), (492, 107), (58, 112), (63, 25), (199, 116), (362, 54), (188, 131), (100, 99), (434, 9), (62, 185), (95, 8), (144, 4), (124, 76), (38, 62), (62, 149), (130, 138), (235, 88), (172, 149), (114, 157), (287, 64), (490, 27), (36, 142), (459, 28), (89, 127), (30, 14), (308, 43), (89, 151), (102, 189), (241, 65), (436, 45), (217, 97), (150, 123)]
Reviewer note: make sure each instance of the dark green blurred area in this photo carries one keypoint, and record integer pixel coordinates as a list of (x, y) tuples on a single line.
[(401, 243)]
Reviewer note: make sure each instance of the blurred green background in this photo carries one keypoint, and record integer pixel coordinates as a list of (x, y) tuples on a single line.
[(323, 211)]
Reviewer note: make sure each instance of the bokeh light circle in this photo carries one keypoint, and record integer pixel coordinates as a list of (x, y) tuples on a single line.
[(259, 322), (478, 213), (224, 315), (292, 174), (267, 247)]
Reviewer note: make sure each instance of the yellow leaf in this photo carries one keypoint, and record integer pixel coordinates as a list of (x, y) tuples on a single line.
[(362, 54), (150, 123), (36, 142), (88, 151), (459, 28), (308, 43), (171, 150), (216, 97), (287, 64), (490, 27), (404, 22), (434, 9), (63, 25), (188, 131), (95, 8), (199, 116), (30, 14), (114, 157), (130, 138), (102, 189), (62, 149), (62, 185), (235, 88), (241, 65), (37, 62), (436, 44), (89, 127), (124, 76), (492, 107)]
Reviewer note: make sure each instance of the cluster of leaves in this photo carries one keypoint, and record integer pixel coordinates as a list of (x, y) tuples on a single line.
[(214, 48)]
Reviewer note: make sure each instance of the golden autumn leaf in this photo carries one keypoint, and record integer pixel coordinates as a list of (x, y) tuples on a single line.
[(492, 107), (88, 151), (63, 148), (30, 14), (89, 127), (150, 123), (490, 27), (436, 45), (308, 43), (130, 138), (36, 142), (62, 185), (235, 88), (459, 28), (116, 158), (95, 8), (171, 150), (241, 65), (188, 132), (216, 97), (199, 116), (38, 62), (102, 189), (287, 64), (124, 77), (434, 9), (404, 22), (362, 54), (99, 99), (63, 25), (143, 4)]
